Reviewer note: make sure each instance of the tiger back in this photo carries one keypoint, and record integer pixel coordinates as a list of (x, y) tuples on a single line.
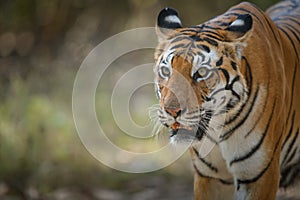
[(233, 83), (286, 16)]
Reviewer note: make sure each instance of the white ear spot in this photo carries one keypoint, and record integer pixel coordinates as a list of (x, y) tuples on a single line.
[(238, 22), (173, 19)]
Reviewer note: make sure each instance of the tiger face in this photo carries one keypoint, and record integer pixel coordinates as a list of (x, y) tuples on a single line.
[(199, 79)]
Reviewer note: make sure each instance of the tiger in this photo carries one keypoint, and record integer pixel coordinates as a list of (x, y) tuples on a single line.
[(233, 82)]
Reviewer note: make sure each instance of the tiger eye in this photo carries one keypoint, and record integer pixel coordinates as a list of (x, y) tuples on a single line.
[(165, 72), (203, 71)]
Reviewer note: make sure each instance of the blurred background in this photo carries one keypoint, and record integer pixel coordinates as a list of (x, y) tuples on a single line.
[(42, 44)]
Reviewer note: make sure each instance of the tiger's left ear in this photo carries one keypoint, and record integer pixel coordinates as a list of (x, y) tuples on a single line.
[(167, 22), (239, 29)]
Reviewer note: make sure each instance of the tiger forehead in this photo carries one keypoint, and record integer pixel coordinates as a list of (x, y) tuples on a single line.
[(191, 50), (192, 43)]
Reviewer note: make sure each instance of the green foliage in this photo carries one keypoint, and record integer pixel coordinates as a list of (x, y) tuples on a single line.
[(37, 135)]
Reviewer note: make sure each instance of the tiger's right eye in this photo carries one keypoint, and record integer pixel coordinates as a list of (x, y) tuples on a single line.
[(165, 72)]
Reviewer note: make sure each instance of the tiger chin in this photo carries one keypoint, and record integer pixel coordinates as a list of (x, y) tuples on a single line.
[(230, 87)]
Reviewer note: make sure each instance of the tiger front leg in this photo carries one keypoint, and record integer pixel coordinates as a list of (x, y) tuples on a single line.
[(211, 189), (261, 187)]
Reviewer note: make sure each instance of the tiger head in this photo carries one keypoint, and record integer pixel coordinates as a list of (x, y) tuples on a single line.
[(199, 77)]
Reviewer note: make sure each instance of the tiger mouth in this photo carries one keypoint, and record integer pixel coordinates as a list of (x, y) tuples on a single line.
[(195, 132), (177, 126), (180, 130)]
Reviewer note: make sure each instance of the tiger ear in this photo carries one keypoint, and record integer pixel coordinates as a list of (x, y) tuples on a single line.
[(167, 21), (239, 29)]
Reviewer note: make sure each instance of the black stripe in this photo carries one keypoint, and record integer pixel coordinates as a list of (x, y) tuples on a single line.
[(254, 179), (196, 38), (258, 145), (249, 74), (209, 177), (204, 47), (233, 65), (249, 83), (292, 95), (180, 38), (230, 14), (291, 40), (236, 94), (230, 87), (294, 20), (258, 118), (225, 182), (189, 30), (219, 62), (226, 135), (290, 146), (214, 37), (208, 164), (292, 29), (270, 27), (292, 156), (226, 74), (216, 92), (205, 26), (287, 18), (221, 23), (210, 41), (290, 131), (201, 55)]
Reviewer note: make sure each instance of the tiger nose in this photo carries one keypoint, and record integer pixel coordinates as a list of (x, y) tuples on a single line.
[(174, 112)]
